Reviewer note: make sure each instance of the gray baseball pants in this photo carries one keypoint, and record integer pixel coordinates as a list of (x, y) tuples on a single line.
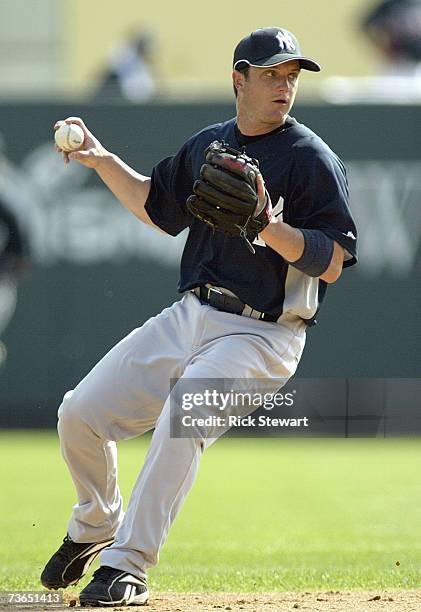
[(127, 394)]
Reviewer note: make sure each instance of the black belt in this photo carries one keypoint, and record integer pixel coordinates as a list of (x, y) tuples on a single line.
[(228, 303)]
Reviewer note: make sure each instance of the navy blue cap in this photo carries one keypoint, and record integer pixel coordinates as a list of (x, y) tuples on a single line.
[(270, 47)]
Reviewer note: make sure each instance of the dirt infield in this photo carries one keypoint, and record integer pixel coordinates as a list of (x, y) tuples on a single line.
[(391, 601), (364, 601)]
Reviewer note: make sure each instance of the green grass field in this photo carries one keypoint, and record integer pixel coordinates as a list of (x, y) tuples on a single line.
[(264, 515)]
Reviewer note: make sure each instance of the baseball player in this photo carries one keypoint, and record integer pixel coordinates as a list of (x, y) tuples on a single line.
[(266, 204)]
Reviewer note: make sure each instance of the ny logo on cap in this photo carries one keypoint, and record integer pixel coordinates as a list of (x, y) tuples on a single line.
[(285, 41)]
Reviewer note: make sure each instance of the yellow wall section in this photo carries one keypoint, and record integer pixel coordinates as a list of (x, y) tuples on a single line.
[(196, 39)]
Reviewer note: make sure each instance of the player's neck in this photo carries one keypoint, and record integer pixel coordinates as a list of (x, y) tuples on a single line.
[(249, 127)]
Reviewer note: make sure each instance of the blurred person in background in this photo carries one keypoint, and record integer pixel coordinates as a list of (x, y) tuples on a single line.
[(14, 244), (14, 256), (129, 74), (394, 28)]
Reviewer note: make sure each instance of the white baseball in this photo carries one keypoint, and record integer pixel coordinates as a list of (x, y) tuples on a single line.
[(69, 137)]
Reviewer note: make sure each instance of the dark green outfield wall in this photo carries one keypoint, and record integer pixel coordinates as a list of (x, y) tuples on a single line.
[(97, 273)]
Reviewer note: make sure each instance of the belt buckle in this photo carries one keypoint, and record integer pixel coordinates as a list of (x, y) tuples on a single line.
[(214, 290)]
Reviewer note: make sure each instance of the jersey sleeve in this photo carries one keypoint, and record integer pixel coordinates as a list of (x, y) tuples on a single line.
[(171, 184), (319, 199)]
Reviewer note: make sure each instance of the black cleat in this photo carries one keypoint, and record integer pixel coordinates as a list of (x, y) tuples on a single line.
[(114, 587), (71, 561)]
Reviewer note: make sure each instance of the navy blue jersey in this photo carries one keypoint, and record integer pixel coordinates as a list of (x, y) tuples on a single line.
[(308, 188)]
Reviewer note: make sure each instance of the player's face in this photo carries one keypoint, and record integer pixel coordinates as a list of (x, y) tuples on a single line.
[(266, 96)]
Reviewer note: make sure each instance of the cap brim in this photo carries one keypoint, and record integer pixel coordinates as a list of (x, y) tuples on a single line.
[(305, 62)]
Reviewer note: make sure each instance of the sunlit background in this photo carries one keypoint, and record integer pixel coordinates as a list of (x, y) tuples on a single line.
[(145, 76), (59, 48)]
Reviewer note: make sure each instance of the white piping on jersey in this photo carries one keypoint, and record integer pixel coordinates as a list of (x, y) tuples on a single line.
[(301, 294)]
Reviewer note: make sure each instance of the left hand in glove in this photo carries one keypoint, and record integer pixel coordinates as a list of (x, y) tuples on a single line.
[(230, 195)]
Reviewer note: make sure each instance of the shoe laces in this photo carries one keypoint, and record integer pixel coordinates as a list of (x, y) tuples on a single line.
[(104, 573), (67, 549)]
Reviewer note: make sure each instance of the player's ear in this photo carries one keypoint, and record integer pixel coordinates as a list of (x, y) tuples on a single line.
[(237, 79)]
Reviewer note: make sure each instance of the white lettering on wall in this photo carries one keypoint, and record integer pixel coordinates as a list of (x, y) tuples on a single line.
[(76, 219)]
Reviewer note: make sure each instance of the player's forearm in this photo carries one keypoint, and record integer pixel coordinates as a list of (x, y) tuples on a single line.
[(130, 187), (286, 240), (289, 242)]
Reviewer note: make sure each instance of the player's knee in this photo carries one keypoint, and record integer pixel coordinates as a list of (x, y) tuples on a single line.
[(70, 413)]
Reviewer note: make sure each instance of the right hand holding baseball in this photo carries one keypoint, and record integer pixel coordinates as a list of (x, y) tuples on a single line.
[(90, 153)]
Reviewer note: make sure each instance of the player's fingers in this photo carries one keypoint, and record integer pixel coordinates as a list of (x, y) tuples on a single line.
[(81, 154), (260, 184), (87, 158), (64, 153), (59, 149), (78, 122)]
